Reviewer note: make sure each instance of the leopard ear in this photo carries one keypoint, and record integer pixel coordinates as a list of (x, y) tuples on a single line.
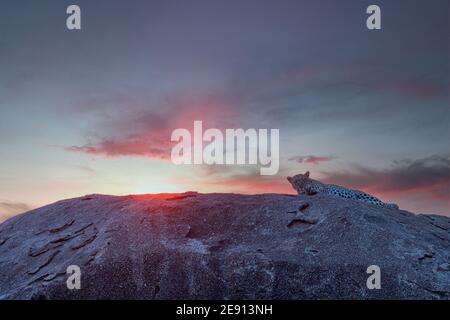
[(306, 174), (289, 179)]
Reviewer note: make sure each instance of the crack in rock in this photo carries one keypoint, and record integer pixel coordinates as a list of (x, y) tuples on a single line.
[(83, 243), (426, 256), (3, 241), (91, 258), (34, 252), (53, 276), (66, 238), (40, 278), (46, 262), (84, 228), (303, 206), (63, 227), (301, 220)]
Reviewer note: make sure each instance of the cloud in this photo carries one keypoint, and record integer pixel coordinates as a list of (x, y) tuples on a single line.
[(146, 131), (9, 209), (145, 146), (428, 175), (311, 159)]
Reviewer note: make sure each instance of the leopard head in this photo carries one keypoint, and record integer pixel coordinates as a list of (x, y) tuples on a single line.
[(299, 182)]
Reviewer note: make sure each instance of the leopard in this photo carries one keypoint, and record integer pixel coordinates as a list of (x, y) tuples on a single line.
[(304, 185)]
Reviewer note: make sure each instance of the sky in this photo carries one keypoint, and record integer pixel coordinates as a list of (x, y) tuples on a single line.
[(92, 110)]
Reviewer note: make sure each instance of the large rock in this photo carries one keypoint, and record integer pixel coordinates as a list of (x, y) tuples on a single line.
[(223, 246)]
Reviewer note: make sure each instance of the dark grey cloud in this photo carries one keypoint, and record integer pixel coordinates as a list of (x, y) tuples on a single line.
[(428, 175)]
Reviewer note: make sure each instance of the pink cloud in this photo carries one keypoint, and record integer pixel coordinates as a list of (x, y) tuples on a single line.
[(146, 132), (311, 159)]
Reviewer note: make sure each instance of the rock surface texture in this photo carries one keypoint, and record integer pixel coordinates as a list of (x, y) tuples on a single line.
[(223, 246)]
